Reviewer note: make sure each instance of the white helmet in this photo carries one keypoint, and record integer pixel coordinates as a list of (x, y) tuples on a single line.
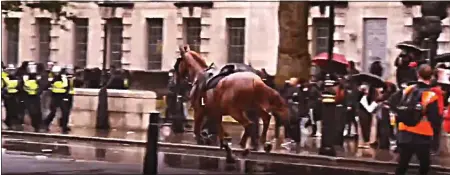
[(69, 69), (32, 68), (56, 69), (11, 66)]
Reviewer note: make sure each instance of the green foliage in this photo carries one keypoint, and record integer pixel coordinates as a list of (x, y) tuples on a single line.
[(11, 6), (54, 7)]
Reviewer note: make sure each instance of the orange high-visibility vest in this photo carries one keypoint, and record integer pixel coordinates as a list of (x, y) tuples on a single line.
[(424, 126), (446, 123), (440, 96)]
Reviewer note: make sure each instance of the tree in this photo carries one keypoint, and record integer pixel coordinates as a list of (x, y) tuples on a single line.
[(54, 7), (293, 55)]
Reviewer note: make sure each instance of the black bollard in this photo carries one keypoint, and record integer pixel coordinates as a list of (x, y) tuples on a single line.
[(151, 152), (328, 127), (328, 118)]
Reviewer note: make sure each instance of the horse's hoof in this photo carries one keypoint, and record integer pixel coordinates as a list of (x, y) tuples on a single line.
[(230, 159), (208, 142), (222, 145), (200, 141), (227, 139), (268, 147), (242, 145), (256, 148), (246, 152)]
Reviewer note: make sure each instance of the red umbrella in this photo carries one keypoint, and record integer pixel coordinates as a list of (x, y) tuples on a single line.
[(322, 58)]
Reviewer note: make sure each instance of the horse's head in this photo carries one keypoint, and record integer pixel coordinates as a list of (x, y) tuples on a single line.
[(188, 66), (278, 105)]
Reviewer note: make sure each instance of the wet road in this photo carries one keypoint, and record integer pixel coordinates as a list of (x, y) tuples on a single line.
[(56, 156), (309, 145), (50, 156)]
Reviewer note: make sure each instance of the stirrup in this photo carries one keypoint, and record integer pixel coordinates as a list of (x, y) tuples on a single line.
[(203, 101)]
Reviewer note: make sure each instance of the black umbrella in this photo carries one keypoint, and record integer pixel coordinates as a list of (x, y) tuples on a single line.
[(409, 45), (442, 57), (373, 80)]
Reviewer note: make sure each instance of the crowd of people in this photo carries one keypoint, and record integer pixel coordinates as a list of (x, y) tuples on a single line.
[(390, 107), (40, 90)]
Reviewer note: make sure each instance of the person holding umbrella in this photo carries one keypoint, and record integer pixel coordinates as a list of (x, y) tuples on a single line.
[(405, 62), (368, 103)]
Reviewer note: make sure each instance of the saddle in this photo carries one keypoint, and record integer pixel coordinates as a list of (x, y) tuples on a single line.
[(214, 76)]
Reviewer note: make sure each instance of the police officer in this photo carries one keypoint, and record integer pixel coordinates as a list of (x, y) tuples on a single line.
[(4, 76), (10, 97), (46, 95), (69, 72), (117, 79), (59, 88), (32, 100)]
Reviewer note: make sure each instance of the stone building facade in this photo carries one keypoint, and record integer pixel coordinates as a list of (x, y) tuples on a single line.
[(146, 36)]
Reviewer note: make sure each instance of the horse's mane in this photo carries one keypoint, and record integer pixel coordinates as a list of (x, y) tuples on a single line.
[(197, 57)]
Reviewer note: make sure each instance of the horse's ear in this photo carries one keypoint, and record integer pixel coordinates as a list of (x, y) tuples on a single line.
[(182, 51)]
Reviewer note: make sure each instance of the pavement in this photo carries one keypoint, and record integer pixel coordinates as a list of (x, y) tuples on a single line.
[(309, 145)]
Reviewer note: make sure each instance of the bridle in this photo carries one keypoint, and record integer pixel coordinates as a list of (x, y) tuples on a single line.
[(186, 78)]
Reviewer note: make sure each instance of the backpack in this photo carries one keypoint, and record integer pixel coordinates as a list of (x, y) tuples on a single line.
[(410, 110)]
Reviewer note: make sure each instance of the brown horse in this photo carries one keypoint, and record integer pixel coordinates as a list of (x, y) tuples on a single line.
[(233, 95)]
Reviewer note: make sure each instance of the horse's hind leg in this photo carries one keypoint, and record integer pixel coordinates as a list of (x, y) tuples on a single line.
[(253, 128), (244, 138), (238, 115), (266, 121), (224, 144)]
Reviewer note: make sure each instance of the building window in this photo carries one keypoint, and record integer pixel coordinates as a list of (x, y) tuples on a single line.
[(154, 43), (192, 31), (81, 40), (12, 36), (321, 35), (115, 27), (236, 39), (43, 32)]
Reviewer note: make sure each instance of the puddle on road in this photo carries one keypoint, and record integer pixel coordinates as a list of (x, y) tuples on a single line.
[(123, 154), (120, 153)]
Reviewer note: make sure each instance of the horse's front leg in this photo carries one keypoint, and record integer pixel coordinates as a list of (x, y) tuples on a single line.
[(198, 120)]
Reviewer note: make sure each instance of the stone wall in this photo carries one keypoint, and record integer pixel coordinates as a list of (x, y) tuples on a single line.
[(128, 109)]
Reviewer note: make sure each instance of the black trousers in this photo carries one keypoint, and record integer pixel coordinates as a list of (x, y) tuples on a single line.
[(365, 120), (62, 102), (295, 131), (351, 119), (317, 116), (422, 151), (33, 106), (436, 137), (278, 125), (12, 110), (21, 108)]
